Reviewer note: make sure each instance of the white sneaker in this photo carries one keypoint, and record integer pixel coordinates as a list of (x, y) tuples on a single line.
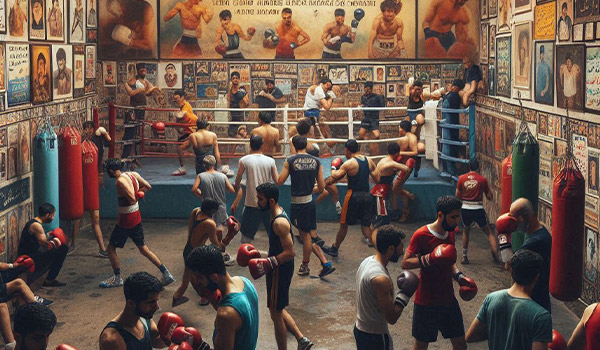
[(338, 208), (179, 172), (112, 281)]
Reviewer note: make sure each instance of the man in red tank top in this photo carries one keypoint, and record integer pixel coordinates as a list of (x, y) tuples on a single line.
[(470, 189), (586, 335)]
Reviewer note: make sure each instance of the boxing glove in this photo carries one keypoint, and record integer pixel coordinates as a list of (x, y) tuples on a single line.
[(359, 14), (189, 335), (293, 45), (26, 262), (214, 297), (468, 288), (558, 342), (334, 40), (65, 347), (505, 247), (122, 34), (336, 163), (233, 227), (251, 31), (158, 126), (139, 195), (269, 33), (221, 49), (346, 39), (245, 253), (407, 283), (101, 131), (56, 238), (443, 254), (139, 85), (506, 224), (182, 346), (242, 91), (411, 163), (260, 266), (167, 324), (331, 94), (354, 26), (275, 39)]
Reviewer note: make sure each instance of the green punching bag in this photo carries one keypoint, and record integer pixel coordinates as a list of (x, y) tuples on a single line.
[(525, 173)]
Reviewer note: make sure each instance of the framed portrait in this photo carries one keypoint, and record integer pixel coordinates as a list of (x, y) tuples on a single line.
[(2, 16), (2, 66), (379, 72), (13, 231), (492, 8), (586, 11), (37, 20), (77, 23), (91, 14), (503, 65), (484, 9), (24, 148), (109, 73), (17, 60), (521, 58), (578, 32), (597, 30), (13, 146), (91, 36), (18, 27), (492, 41), (544, 27), (564, 24), (569, 76), (55, 19), (484, 43), (62, 71), (170, 75), (492, 77), (90, 61), (41, 80), (544, 72), (78, 70), (591, 255), (522, 6), (589, 32), (592, 78)]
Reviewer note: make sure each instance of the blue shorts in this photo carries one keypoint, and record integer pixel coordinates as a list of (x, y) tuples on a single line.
[(313, 114), (251, 219)]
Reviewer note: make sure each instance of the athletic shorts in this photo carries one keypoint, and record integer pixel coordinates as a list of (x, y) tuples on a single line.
[(358, 206), (278, 285), (474, 215), (369, 124), (251, 219), (119, 236), (187, 250), (183, 137), (371, 341), (304, 216), (413, 115), (4, 297), (313, 114), (427, 320)]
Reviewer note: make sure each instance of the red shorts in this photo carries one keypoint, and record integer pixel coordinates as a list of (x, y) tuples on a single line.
[(129, 220)]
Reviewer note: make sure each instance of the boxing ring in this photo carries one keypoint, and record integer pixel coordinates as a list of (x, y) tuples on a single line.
[(171, 196)]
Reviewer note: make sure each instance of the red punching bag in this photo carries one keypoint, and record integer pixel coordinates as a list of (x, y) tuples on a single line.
[(568, 205), (70, 178), (506, 184), (91, 195)]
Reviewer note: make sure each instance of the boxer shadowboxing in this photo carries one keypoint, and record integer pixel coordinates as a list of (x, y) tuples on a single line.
[(409, 148), (34, 323), (47, 251)]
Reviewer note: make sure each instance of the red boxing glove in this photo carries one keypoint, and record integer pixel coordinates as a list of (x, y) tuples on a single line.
[(443, 254), (158, 126), (167, 324), (214, 298), (245, 253), (26, 262), (189, 335), (558, 342), (468, 288), (65, 347), (57, 238), (140, 195), (336, 163), (233, 227), (506, 224), (182, 346), (251, 31), (259, 267), (410, 162)]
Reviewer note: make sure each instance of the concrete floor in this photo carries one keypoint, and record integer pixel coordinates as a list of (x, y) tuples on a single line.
[(323, 309)]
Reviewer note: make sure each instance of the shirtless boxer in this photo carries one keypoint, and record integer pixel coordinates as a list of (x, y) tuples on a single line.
[(230, 48), (34, 323), (336, 33), (191, 14), (131, 187), (270, 135), (317, 97), (184, 116), (359, 204), (387, 168), (132, 27), (570, 74), (385, 39), (16, 20), (409, 147), (416, 101), (440, 40), (204, 143), (586, 335), (289, 36)]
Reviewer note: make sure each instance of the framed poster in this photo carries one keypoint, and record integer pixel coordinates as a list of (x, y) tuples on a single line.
[(544, 72), (109, 73), (522, 6), (18, 27), (578, 32), (55, 12), (484, 9), (78, 70), (2, 66), (521, 58), (62, 73), (17, 60), (503, 66), (545, 21), (592, 78), (37, 20), (492, 8), (586, 11), (492, 41), (484, 40), (2, 16), (90, 61), (492, 77), (41, 80), (92, 15), (504, 16), (77, 23), (170, 75), (589, 31), (564, 25), (570, 63)]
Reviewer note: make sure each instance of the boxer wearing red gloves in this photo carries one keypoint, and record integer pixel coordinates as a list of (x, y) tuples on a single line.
[(134, 328), (509, 318), (432, 249), (34, 323), (409, 149), (586, 335)]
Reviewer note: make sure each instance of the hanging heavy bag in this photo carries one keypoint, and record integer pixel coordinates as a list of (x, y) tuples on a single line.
[(91, 194), (45, 163), (506, 184), (70, 174)]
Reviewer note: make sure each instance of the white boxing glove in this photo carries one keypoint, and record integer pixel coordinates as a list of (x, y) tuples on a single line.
[(335, 39), (139, 85), (331, 94), (411, 81), (262, 93), (101, 131), (180, 114), (122, 34)]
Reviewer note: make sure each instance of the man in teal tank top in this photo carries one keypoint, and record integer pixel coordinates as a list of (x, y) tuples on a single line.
[(234, 298)]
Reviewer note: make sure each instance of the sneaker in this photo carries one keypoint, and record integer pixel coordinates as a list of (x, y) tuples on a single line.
[(338, 208), (304, 344), (103, 253), (332, 250), (112, 281), (465, 260), (304, 270), (71, 249), (228, 260), (46, 302), (167, 278), (179, 172), (204, 301), (327, 269)]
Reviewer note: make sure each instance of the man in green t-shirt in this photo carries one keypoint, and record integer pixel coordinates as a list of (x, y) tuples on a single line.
[(509, 318)]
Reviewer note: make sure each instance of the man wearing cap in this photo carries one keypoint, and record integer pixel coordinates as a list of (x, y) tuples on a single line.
[(543, 76)]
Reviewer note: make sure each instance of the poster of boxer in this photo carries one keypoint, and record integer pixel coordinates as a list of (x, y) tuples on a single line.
[(77, 24), (24, 148), (91, 15), (17, 61), (62, 73), (127, 28), (169, 75), (41, 66), (78, 70), (2, 16), (521, 60), (592, 183), (37, 20), (55, 10), (90, 61), (109, 73), (570, 63), (18, 28), (504, 15), (12, 233)]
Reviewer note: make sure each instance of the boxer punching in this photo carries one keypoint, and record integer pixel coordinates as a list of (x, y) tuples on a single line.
[(359, 204), (34, 323), (409, 147), (376, 305), (131, 187), (586, 335), (234, 297), (432, 250)]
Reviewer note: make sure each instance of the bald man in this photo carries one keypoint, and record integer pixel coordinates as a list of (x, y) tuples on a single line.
[(537, 239)]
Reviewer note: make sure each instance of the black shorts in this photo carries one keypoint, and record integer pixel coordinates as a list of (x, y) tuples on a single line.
[(369, 124), (427, 320), (278, 286), (304, 216), (357, 206), (4, 297), (119, 236), (183, 137), (187, 250), (371, 341), (474, 215)]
